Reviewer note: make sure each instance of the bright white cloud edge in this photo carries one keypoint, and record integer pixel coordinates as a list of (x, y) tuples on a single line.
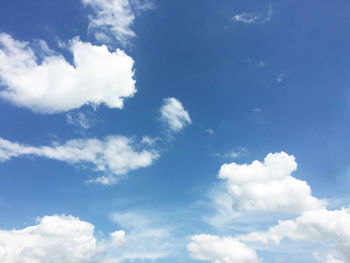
[(55, 239), (114, 155), (268, 186), (46, 82), (112, 19), (173, 114)]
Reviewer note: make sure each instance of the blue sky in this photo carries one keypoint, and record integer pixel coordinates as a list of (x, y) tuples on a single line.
[(174, 131)]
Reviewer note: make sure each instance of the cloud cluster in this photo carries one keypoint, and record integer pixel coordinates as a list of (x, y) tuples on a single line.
[(50, 84), (54, 239), (174, 115), (115, 155), (221, 250), (268, 186), (319, 225)]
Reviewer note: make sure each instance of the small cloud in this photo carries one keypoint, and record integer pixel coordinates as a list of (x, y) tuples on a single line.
[(280, 77), (148, 140), (261, 64), (254, 18), (78, 119), (232, 154), (210, 131), (174, 115)]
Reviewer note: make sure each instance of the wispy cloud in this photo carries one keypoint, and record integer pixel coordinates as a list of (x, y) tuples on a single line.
[(114, 18), (114, 155), (254, 18)]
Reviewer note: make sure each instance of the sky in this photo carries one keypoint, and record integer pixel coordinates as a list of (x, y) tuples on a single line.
[(174, 131)]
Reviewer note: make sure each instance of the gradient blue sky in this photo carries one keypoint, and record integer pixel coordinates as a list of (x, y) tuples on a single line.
[(254, 77)]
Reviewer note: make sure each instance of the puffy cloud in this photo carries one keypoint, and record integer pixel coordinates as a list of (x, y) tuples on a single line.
[(268, 186), (54, 239), (115, 155), (174, 115), (114, 17), (221, 250), (118, 238), (46, 82), (320, 225)]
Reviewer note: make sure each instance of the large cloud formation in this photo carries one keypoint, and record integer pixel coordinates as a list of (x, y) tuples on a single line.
[(114, 155), (268, 186), (46, 82)]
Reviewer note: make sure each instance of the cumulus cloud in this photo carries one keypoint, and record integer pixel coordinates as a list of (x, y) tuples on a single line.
[(114, 17), (118, 238), (320, 225), (46, 82), (115, 155), (174, 115), (268, 186), (221, 250), (54, 239)]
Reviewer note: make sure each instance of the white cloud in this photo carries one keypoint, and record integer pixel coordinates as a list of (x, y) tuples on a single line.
[(320, 225), (268, 186), (78, 119), (221, 250), (53, 85), (146, 239), (54, 239), (115, 155), (114, 17), (118, 238), (174, 115), (329, 258), (251, 18)]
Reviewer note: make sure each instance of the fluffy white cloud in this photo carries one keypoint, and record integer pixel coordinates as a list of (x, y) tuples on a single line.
[(115, 155), (268, 186), (221, 250), (320, 225), (118, 238), (114, 17), (54, 239), (174, 115), (46, 82)]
